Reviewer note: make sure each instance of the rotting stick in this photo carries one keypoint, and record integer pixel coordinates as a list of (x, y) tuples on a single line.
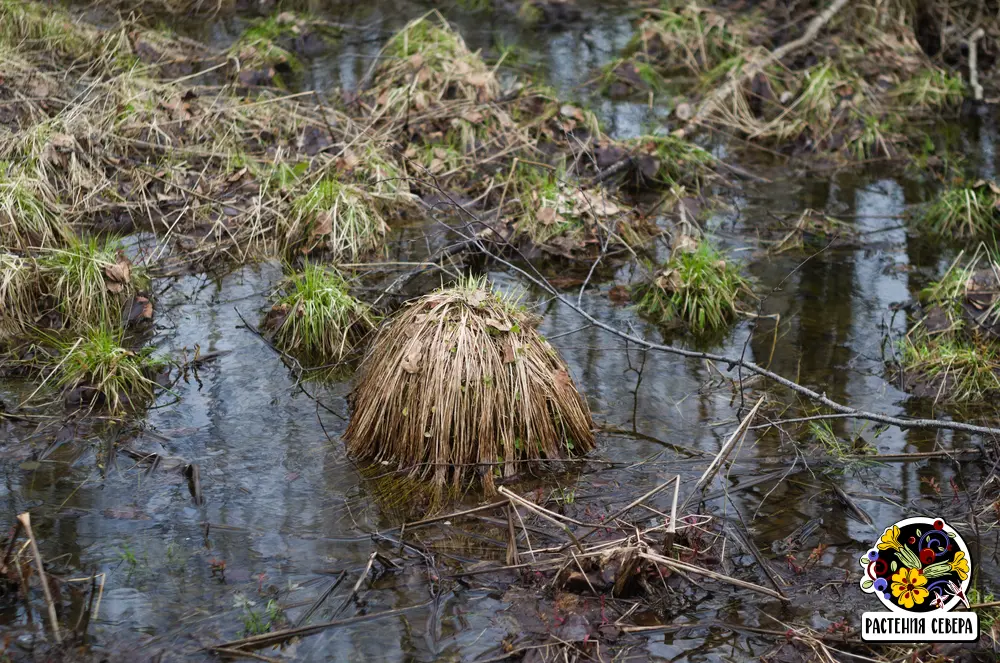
[(25, 520), (852, 506), (265, 639), (724, 452), (236, 653), (690, 568)]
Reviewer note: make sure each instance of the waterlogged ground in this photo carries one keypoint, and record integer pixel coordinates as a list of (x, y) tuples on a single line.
[(284, 511)]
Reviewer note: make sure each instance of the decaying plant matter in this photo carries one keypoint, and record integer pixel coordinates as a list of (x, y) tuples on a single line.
[(459, 387)]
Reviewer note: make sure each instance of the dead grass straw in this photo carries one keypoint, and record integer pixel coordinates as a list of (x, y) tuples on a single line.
[(459, 387)]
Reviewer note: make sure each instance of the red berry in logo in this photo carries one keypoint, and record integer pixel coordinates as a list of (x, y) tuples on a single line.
[(926, 556), (913, 540), (939, 524)]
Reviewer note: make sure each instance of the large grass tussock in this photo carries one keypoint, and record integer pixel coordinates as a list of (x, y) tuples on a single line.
[(459, 388)]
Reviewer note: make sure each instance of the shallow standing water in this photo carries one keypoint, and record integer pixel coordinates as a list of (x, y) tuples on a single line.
[(285, 510)]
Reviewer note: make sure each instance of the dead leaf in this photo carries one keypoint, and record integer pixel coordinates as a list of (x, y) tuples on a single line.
[(562, 380), (498, 324), (683, 111), (478, 298), (114, 287), (120, 272), (416, 61), (411, 360), (480, 80), (472, 116), (548, 215), (323, 225), (685, 244), (509, 356)]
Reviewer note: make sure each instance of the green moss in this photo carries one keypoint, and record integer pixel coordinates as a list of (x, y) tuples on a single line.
[(700, 290)]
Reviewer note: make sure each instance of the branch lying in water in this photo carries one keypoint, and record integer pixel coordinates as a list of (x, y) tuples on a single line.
[(731, 362)]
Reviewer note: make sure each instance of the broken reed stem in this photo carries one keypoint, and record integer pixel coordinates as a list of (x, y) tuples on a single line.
[(357, 585), (631, 505), (977, 89), (10, 547), (724, 452), (25, 520), (668, 540), (690, 568), (553, 518)]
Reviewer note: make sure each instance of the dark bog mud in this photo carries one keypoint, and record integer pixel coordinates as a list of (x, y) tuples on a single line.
[(228, 514)]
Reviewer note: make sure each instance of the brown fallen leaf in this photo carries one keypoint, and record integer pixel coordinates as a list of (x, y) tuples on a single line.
[(120, 272), (411, 360)]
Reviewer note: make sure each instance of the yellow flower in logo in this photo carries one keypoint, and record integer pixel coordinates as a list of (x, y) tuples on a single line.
[(908, 586), (890, 539), (960, 565)]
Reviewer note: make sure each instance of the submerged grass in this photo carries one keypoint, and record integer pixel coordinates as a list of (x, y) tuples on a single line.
[(88, 282), (321, 321), (698, 289), (458, 387), (107, 373)]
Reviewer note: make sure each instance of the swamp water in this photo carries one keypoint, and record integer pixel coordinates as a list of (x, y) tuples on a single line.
[(284, 511)]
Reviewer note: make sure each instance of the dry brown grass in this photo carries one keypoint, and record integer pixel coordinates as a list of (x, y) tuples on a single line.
[(459, 388)]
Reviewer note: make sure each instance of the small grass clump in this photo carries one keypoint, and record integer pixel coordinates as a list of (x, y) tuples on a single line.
[(459, 388), (316, 318), (337, 217), (18, 299), (105, 372), (88, 282), (929, 89), (964, 212), (951, 353), (26, 221), (951, 368), (698, 289), (690, 39), (678, 161), (427, 64)]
